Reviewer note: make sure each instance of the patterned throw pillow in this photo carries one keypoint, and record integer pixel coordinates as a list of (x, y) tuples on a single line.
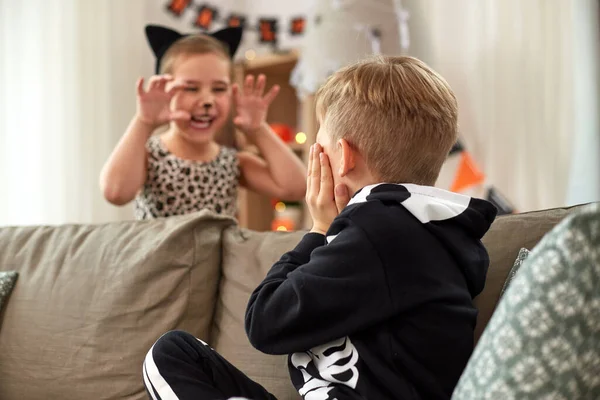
[(543, 340), (7, 282), (521, 257)]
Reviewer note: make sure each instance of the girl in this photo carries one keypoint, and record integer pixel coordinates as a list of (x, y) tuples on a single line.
[(184, 170)]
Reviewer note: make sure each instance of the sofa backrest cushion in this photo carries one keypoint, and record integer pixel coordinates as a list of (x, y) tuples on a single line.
[(247, 258), (91, 300), (249, 255)]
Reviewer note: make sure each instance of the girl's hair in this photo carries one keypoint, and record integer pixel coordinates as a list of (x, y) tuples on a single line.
[(193, 44)]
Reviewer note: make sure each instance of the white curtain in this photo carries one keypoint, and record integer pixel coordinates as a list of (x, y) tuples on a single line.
[(516, 67), (584, 182), (67, 72)]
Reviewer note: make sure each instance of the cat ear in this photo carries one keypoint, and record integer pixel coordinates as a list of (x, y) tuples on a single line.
[(231, 37), (160, 39)]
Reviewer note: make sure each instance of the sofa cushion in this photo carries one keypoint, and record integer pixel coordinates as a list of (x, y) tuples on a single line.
[(508, 234), (247, 258), (91, 300), (249, 255)]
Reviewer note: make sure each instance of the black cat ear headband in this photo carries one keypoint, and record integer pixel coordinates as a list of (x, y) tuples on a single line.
[(161, 38)]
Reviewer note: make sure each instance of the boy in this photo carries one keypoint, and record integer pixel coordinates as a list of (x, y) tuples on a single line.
[(376, 301)]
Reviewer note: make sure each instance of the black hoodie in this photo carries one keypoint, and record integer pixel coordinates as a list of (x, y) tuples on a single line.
[(381, 307)]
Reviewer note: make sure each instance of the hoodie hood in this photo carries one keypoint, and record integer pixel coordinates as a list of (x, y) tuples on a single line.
[(457, 221)]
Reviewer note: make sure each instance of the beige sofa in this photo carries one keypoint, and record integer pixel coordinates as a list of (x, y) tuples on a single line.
[(91, 299)]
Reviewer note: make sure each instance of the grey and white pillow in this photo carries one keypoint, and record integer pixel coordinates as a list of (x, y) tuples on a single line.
[(521, 257), (7, 283), (542, 341)]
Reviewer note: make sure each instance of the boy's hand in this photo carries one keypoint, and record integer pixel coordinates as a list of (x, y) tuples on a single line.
[(323, 203), (251, 105), (153, 102)]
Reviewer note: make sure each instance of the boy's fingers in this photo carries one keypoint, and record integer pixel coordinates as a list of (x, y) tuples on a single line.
[(309, 170), (315, 175), (342, 196), (326, 191), (271, 94)]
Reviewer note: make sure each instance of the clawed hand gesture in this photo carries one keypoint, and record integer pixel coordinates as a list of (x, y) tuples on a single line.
[(252, 104), (153, 101)]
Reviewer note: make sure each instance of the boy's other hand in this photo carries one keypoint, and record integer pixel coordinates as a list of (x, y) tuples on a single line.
[(324, 203)]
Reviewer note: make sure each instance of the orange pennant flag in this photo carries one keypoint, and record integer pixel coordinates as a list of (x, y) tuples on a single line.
[(467, 175)]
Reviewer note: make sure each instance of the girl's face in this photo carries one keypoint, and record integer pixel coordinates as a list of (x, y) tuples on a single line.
[(206, 95)]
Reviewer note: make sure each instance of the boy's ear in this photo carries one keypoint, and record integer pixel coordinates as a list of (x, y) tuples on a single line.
[(348, 157)]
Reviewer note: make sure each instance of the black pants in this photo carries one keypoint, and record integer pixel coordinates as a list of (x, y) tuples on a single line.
[(181, 367)]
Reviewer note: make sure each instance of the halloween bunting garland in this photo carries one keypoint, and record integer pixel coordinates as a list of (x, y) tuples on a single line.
[(206, 15), (461, 174)]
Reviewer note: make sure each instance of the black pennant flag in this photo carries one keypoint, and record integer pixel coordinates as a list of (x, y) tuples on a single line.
[(498, 200)]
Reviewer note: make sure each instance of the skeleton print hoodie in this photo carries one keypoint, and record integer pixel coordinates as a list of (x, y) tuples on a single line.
[(381, 307)]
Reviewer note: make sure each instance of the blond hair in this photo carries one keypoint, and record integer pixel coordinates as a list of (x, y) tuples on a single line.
[(193, 44), (397, 112)]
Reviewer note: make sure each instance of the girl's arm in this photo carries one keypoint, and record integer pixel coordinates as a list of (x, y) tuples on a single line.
[(280, 173), (125, 171)]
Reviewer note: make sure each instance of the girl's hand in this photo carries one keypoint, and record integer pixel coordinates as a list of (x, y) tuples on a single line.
[(153, 102), (324, 203), (251, 105)]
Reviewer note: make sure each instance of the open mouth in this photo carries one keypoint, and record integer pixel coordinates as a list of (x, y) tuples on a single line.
[(201, 121)]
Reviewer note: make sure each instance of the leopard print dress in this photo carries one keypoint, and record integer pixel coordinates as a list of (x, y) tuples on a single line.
[(175, 186)]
